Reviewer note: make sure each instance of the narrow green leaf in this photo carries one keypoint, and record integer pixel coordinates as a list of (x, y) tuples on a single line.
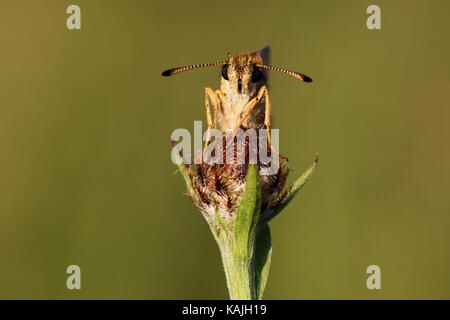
[(240, 273), (185, 172), (292, 191), (261, 258), (248, 211)]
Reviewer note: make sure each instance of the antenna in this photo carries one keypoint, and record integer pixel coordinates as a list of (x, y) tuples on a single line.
[(173, 71), (294, 74)]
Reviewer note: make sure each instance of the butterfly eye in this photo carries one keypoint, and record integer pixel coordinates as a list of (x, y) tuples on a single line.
[(256, 74), (225, 71)]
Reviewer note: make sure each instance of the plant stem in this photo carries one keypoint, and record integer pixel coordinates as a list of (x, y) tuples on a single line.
[(238, 270), (245, 244)]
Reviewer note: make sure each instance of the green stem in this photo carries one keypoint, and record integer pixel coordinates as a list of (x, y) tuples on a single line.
[(238, 270), (244, 244), (246, 271)]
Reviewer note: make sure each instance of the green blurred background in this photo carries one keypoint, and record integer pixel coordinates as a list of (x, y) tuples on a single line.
[(85, 170)]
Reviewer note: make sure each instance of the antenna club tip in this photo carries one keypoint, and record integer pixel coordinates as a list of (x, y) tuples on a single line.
[(167, 73), (307, 79)]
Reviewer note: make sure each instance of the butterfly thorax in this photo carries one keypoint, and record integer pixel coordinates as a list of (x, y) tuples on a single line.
[(240, 82)]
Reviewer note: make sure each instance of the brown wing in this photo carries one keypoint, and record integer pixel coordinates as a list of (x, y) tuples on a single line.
[(264, 54)]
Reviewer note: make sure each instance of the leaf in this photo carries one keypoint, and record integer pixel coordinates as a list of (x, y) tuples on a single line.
[(247, 214), (261, 258), (291, 193), (186, 173)]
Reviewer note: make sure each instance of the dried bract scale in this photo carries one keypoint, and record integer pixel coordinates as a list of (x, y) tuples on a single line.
[(220, 186)]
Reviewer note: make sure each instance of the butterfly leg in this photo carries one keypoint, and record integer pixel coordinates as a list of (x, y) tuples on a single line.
[(211, 96), (250, 106)]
